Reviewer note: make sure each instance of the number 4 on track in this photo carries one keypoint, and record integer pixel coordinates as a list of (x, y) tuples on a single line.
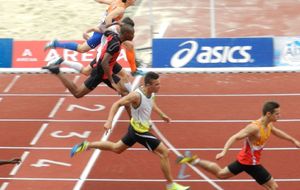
[(47, 163)]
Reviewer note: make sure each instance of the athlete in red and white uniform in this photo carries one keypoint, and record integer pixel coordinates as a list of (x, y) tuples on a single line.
[(255, 135)]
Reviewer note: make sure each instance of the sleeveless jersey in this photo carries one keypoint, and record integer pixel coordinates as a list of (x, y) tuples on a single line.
[(111, 7), (140, 119), (251, 152)]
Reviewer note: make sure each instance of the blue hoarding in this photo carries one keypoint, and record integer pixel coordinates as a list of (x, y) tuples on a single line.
[(212, 52), (6, 52)]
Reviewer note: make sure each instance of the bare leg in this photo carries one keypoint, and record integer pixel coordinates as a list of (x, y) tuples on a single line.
[(84, 47), (270, 185), (163, 154), (117, 147), (214, 168), (78, 92)]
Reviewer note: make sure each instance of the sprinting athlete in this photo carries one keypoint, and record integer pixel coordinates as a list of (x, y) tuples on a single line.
[(114, 12), (256, 135), (142, 103)]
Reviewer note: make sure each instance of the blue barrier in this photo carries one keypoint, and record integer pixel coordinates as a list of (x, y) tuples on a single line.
[(212, 52), (6, 49)]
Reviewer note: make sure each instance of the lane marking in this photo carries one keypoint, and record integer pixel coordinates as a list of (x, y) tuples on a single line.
[(168, 144), (156, 121), (56, 107), (16, 168), (4, 186), (39, 134), (212, 19), (162, 95), (105, 136), (11, 84), (144, 149), (145, 180)]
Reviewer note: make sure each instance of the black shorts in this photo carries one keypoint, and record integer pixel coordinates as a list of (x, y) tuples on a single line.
[(116, 69), (96, 77), (258, 172), (147, 139)]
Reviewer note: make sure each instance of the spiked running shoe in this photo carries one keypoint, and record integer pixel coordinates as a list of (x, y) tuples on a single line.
[(50, 45), (54, 69), (185, 160), (176, 186), (79, 148), (55, 61)]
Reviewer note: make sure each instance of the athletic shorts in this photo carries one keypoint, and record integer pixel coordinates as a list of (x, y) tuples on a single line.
[(258, 172), (116, 69), (147, 139), (94, 40), (96, 77)]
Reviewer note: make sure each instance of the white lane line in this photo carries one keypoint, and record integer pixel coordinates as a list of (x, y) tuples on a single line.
[(39, 134), (156, 121), (212, 19), (144, 149), (11, 84), (57, 106), (97, 152), (4, 186), (167, 95), (166, 141), (16, 168), (145, 180), (1, 99)]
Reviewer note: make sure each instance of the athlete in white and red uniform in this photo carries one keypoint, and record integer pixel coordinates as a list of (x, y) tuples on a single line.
[(256, 135)]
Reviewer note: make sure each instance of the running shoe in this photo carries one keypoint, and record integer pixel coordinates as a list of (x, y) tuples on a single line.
[(138, 72), (54, 69), (176, 186), (50, 45), (79, 148), (55, 61), (187, 159)]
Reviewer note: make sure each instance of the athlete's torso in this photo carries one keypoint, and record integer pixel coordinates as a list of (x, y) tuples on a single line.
[(251, 152), (141, 115)]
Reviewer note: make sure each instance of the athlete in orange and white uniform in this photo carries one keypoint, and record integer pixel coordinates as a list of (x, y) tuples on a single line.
[(256, 135), (251, 152), (114, 12)]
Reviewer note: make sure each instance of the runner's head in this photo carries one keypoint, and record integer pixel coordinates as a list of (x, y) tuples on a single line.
[(128, 20), (126, 32), (152, 82), (271, 110)]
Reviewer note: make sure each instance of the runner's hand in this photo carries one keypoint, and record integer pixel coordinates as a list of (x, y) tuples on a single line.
[(297, 143), (15, 161), (220, 155), (107, 126)]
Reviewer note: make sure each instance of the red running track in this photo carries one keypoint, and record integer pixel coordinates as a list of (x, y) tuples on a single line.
[(41, 121)]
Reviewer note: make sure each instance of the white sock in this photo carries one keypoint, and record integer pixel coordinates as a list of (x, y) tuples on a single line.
[(128, 86), (72, 64), (195, 161), (169, 185)]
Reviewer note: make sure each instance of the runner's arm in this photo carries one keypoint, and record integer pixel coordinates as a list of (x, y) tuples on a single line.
[(281, 134), (157, 110), (131, 98), (245, 132), (114, 14)]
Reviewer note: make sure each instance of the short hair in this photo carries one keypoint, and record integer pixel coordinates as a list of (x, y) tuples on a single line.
[(270, 106), (124, 1), (127, 32), (149, 77), (128, 20)]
